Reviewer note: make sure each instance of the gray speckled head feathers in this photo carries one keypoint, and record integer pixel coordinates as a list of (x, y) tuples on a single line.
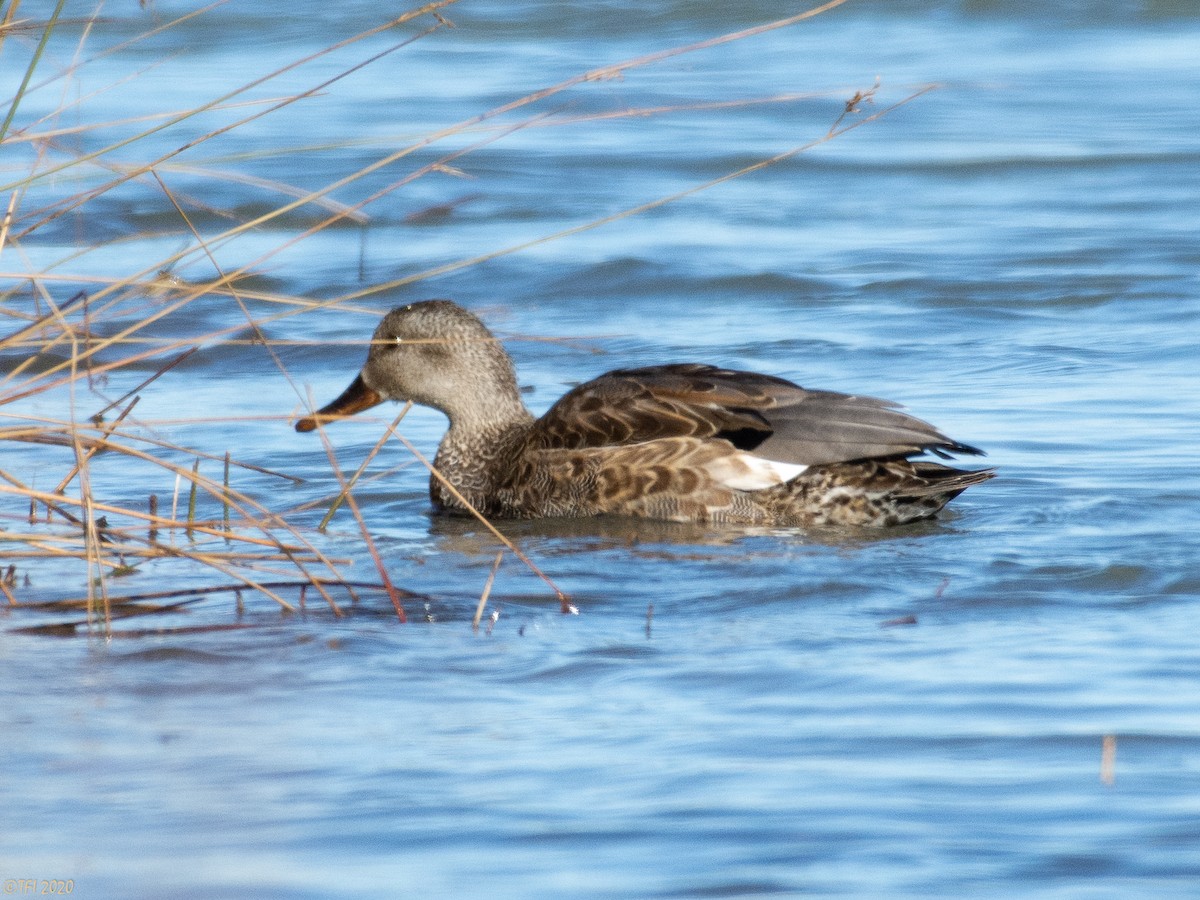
[(437, 354)]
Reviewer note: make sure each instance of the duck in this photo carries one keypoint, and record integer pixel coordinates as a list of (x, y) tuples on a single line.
[(682, 442)]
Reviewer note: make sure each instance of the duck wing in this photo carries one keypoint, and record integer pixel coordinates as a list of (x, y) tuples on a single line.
[(768, 417)]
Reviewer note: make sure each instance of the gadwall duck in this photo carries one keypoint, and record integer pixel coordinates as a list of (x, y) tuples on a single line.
[(684, 442)]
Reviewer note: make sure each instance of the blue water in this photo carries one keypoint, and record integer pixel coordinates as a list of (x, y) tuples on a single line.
[(920, 712)]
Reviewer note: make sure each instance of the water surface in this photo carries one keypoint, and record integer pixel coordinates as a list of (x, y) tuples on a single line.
[(919, 712)]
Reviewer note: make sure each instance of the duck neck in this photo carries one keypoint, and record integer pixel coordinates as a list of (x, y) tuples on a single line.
[(479, 448)]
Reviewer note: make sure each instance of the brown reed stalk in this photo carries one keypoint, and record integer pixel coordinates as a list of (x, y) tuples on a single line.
[(47, 30), (53, 432), (12, 601), (90, 548), (487, 590), (349, 484), (427, 8), (152, 535), (603, 73), (91, 506), (97, 542), (393, 594), (94, 448)]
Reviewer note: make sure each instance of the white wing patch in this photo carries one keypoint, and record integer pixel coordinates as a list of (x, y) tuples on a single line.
[(746, 472)]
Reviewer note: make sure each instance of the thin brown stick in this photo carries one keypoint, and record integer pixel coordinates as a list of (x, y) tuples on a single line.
[(57, 432), (362, 467), (487, 590), (96, 447), (362, 524), (162, 370), (1108, 760), (602, 73)]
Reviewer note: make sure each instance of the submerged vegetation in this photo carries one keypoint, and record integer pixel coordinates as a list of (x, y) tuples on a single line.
[(97, 312)]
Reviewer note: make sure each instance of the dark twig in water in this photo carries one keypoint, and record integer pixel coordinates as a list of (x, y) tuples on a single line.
[(225, 496)]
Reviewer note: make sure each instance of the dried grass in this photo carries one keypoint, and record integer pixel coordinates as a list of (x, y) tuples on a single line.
[(90, 529)]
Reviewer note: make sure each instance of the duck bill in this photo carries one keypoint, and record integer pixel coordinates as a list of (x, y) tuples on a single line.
[(353, 399)]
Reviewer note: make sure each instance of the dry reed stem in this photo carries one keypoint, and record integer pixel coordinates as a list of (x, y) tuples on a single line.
[(153, 32), (40, 546), (91, 536), (93, 544), (366, 534), (258, 332), (203, 288), (94, 448), (170, 260), (162, 370), (30, 137), (226, 280), (592, 75), (366, 170), (223, 280), (47, 30), (349, 484), (48, 434), (487, 590)]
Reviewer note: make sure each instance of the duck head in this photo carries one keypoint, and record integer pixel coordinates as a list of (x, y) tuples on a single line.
[(437, 354)]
